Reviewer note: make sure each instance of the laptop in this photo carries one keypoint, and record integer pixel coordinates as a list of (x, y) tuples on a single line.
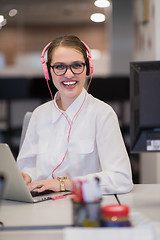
[(15, 186), (2, 180)]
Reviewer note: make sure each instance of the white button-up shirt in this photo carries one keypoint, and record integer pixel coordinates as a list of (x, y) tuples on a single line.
[(95, 146)]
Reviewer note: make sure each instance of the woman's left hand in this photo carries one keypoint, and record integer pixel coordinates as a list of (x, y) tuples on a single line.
[(51, 184)]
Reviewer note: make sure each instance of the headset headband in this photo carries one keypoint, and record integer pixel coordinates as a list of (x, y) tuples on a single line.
[(45, 68)]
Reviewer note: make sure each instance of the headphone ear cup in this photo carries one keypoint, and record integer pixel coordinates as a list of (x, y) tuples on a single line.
[(49, 72), (88, 67)]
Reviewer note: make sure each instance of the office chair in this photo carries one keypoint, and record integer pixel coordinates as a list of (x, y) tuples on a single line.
[(24, 127)]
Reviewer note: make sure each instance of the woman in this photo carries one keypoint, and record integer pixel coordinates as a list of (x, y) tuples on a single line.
[(75, 135)]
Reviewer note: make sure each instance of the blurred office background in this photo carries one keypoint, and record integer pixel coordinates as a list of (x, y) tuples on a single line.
[(129, 32)]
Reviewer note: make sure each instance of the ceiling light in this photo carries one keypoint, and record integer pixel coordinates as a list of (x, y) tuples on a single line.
[(97, 17), (13, 12), (4, 22), (102, 3), (1, 18)]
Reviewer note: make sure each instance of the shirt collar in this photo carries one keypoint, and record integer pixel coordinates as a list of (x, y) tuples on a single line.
[(71, 110), (75, 106), (56, 111)]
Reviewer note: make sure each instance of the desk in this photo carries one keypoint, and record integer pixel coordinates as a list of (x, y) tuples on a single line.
[(38, 221), (145, 199), (48, 214), (53, 215)]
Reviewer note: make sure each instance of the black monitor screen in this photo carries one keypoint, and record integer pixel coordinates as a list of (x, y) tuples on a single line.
[(145, 106)]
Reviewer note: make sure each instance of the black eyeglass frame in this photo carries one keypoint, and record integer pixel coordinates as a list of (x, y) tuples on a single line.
[(66, 68)]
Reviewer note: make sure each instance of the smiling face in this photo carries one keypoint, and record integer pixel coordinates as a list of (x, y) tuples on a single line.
[(69, 85)]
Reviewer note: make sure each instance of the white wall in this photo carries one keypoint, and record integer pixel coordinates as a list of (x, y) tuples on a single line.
[(121, 39), (157, 29), (144, 31)]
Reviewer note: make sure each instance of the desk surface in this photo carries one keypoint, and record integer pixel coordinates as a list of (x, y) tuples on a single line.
[(51, 213), (32, 235), (50, 216), (144, 199)]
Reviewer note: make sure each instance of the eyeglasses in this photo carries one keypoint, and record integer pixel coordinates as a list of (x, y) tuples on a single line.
[(61, 69)]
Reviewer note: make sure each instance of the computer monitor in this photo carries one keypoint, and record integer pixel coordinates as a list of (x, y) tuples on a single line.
[(145, 106)]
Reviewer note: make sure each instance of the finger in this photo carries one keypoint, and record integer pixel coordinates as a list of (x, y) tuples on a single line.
[(33, 186), (26, 177), (23, 174), (37, 184), (27, 180), (41, 189)]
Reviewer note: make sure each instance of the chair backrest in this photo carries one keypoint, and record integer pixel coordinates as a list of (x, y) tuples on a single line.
[(24, 127)]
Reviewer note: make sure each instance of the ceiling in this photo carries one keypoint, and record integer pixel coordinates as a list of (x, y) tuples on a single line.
[(49, 12)]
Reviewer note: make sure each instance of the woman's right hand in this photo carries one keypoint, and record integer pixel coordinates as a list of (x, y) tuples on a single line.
[(26, 177)]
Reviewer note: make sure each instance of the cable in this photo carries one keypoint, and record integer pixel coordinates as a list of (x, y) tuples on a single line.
[(70, 124), (117, 199)]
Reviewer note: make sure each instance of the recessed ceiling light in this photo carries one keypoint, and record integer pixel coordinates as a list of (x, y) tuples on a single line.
[(97, 17), (4, 22), (1, 18), (13, 12), (102, 3)]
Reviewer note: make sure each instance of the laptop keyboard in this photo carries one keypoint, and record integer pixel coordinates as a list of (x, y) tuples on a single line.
[(37, 194)]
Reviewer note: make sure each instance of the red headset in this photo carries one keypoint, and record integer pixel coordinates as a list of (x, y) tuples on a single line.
[(89, 63)]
